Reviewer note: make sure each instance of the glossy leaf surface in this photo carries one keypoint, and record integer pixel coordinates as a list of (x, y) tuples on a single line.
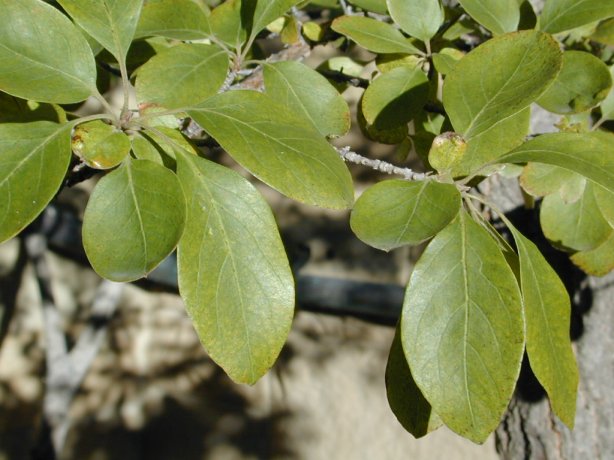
[(282, 149), (374, 35), (561, 15), (178, 19), (462, 328), (588, 154), (548, 314), (406, 400), (394, 213), (99, 145), (499, 79), (133, 220), (111, 23), (394, 98), (34, 158), (46, 60), (305, 91), (182, 76), (419, 18), (498, 16), (233, 272), (584, 81)]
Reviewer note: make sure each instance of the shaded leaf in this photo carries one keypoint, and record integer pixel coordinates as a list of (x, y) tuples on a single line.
[(385, 135), (462, 328), (588, 154), (539, 179), (34, 158), (498, 16), (394, 213), (149, 145), (226, 25), (561, 15), (394, 98), (99, 145), (233, 271), (178, 19), (374, 35), (607, 105), (17, 110), (419, 18), (111, 23), (305, 91), (548, 313), (282, 149), (133, 220), (377, 6), (46, 60), (182, 76), (574, 226), (598, 261), (476, 98), (406, 400), (584, 81), (265, 12)]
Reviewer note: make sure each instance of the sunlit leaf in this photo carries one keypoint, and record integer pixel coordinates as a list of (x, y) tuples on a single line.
[(462, 328), (394, 213), (539, 179), (182, 76), (100, 145), (498, 16), (376, 6), (598, 261), (233, 271), (178, 19), (133, 220), (279, 147), (34, 158), (226, 25), (266, 11), (419, 18), (561, 15), (46, 59)]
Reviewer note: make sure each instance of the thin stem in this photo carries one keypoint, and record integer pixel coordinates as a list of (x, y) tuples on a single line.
[(380, 165), (427, 44), (100, 98), (138, 121), (598, 123), (97, 116), (125, 87)]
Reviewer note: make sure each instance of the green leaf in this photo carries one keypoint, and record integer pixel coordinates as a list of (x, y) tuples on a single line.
[(99, 145), (598, 261), (376, 6), (406, 400), (374, 35), (498, 16), (111, 23), (265, 12), (133, 220), (462, 328), (604, 32), (446, 60), (16, 110), (226, 25), (477, 98), (280, 148), (588, 154), (584, 81), (562, 15), (605, 201), (547, 312), (395, 97), (419, 18), (394, 213), (46, 60), (34, 158), (233, 272), (607, 105), (178, 19), (539, 179), (575, 226), (182, 76), (160, 145), (305, 91)]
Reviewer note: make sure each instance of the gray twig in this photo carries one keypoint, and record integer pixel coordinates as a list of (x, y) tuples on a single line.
[(380, 165)]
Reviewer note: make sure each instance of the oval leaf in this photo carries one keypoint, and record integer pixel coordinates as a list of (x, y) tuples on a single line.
[(233, 271), (419, 18), (598, 261), (584, 81), (280, 148), (539, 179), (99, 145), (394, 213), (226, 24), (548, 314), (46, 60), (111, 23), (182, 76), (305, 91), (588, 154), (498, 16), (476, 98), (374, 35), (178, 19), (462, 328), (406, 400), (560, 15), (133, 220), (265, 12), (34, 158), (395, 97)]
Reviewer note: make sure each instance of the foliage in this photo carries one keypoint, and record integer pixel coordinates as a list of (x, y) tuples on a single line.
[(460, 77)]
